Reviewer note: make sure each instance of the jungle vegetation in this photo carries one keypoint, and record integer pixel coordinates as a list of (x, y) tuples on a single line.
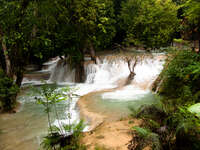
[(32, 31)]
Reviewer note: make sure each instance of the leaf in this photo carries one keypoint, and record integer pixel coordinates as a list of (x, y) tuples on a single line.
[(141, 131)]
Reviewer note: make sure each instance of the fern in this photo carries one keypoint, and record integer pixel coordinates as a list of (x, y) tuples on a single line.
[(142, 132), (147, 138)]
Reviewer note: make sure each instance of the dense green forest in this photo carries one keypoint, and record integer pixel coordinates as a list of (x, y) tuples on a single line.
[(33, 31)]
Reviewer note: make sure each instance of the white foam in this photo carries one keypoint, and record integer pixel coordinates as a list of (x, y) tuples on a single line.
[(128, 93), (103, 75)]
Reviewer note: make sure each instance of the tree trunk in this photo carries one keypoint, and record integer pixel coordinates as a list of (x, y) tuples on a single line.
[(92, 53), (7, 60), (79, 74), (19, 78), (199, 46), (132, 70), (2, 61)]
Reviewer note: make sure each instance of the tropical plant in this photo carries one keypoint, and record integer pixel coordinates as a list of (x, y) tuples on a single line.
[(181, 78), (144, 137), (177, 129), (63, 136)]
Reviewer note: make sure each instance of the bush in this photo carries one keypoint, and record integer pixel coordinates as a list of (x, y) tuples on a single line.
[(64, 136), (182, 77), (58, 141), (8, 92), (176, 126), (178, 130)]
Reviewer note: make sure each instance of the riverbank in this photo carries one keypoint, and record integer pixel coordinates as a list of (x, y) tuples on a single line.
[(114, 135), (14, 110), (105, 131)]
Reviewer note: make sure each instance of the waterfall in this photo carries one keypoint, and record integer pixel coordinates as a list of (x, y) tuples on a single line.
[(62, 72), (110, 71), (106, 72), (107, 76)]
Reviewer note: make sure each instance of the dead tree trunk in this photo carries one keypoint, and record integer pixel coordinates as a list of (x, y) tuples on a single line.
[(132, 70)]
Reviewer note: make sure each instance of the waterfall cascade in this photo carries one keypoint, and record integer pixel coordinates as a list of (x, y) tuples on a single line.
[(107, 76), (109, 70), (62, 72)]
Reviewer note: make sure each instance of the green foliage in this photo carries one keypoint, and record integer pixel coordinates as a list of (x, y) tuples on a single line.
[(16, 24), (181, 77), (95, 21), (148, 23), (64, 136), (187, 128), (141, 131), (145, 138), (181, 41), (192, 10), (8, 92), (191, 19), (179, 129), (56, 140)]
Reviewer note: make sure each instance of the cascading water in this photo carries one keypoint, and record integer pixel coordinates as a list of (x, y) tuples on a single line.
[(110, 72), (62, 72), (107, 72), (146, 72)]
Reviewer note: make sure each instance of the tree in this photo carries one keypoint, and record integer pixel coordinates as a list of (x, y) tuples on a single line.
[(191, 21), (72, 28), (149, 23), (15, 37), (95, 23)]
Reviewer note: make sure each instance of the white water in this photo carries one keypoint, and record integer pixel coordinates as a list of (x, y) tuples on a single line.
[(62, 73), (104, 75), (107, 74), (146, 72)]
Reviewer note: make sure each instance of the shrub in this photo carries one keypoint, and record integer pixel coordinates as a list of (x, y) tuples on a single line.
[(181, 77), (178, 130), (8, 92)]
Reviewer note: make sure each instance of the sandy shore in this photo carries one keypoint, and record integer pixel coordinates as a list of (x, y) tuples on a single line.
[(104, 131)]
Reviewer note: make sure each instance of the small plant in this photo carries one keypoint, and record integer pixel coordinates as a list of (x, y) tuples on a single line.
[(65, 136), (144, 137)]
